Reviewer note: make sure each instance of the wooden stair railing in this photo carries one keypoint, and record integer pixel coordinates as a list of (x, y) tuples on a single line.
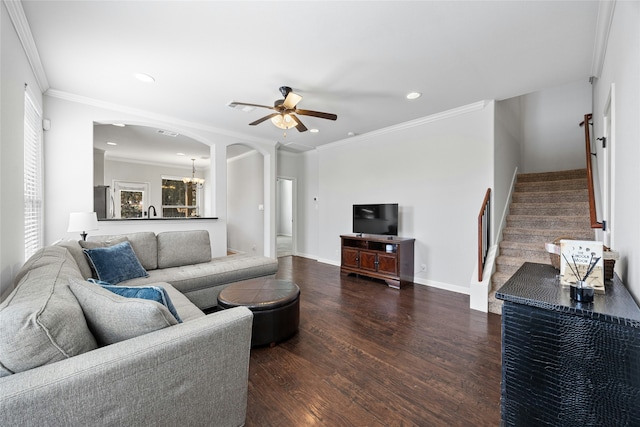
[(484, 232), (592, 199)]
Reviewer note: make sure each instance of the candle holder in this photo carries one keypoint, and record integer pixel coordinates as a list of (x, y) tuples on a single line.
[(581, 292)]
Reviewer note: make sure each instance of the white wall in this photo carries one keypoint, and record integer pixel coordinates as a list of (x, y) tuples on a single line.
[(552, 139), (507, 157), (437, 169), (245, 192), (15, 71), (622, 68), (69, 168), (98, 167)]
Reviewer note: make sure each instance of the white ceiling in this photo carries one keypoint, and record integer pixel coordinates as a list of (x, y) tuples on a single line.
[(357, 59), (135, 143)]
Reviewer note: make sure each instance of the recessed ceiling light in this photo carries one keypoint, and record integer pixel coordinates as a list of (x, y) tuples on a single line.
[(414, 95), (314, 130), (120, 125), (179, 154), (351, 133), (111, 143), (167, 133), (145, 78)]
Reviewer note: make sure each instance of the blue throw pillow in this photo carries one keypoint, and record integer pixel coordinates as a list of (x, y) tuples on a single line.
[(115, 264), (153, 293)]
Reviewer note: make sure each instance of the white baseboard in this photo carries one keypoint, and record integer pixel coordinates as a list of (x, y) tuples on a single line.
[(328, 261), (441, 285)]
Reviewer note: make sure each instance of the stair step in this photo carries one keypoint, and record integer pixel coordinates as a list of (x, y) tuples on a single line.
[(527, 235), (495, 305), (508, 264), (550, 209), (552, 176), (565, 184), (498, 279), (530, 251), (548, 222), (560, 196)]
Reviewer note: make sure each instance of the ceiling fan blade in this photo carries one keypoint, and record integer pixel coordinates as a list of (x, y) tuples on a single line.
[(328, 116), (291, 100), (267, 117), (299, 125), (234, 104)]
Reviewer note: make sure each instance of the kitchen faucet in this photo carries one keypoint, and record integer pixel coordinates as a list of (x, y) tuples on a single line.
[(149, 211)]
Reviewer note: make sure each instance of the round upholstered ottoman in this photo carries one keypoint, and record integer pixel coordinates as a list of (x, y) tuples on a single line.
[(275, 305)]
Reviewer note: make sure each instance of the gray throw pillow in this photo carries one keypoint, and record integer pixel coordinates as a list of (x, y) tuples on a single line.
[(113, 318), (152, 293), (41, 321)]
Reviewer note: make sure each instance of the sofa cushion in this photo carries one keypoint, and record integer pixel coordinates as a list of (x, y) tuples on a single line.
[(73, 246), (177, 248), (41, 321), (113, 318), (143, 243), (114, 264), (202, 282), (93, 244), (152, 293), (186, 309)]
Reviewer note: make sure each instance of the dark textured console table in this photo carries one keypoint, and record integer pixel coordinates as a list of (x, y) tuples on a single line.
[(566, 363)]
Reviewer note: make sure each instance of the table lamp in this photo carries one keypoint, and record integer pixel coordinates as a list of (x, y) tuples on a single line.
[(83, 222)]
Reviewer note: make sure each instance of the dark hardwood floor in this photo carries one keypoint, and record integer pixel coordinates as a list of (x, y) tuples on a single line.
[(369, 355)]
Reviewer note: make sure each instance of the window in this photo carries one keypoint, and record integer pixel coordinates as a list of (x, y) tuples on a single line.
[(131, 199), (180, 198), (32, 174)]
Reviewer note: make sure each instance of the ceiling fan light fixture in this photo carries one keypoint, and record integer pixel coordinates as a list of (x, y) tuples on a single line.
[(283, 121)]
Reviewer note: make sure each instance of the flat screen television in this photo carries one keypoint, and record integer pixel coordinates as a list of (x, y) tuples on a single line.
[(380, 218)]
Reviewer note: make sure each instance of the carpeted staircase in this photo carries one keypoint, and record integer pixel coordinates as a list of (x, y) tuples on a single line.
[(544, 206)]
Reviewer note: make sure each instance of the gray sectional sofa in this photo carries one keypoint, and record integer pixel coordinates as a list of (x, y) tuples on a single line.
[(74, 353)]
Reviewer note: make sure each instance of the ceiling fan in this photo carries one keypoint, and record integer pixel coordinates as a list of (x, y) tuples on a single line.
[(285, 111)]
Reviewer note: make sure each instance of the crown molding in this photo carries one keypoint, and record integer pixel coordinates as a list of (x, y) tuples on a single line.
[(603, 28), (410, 124), (54, 93), (20, 23)]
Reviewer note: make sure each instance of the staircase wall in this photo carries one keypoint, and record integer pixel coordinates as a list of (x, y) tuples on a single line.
[(551, 138)]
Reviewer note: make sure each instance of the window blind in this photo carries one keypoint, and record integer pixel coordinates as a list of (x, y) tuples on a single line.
[(33, 204)]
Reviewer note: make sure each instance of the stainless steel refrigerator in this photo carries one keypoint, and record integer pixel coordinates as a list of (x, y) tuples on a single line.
[(102, 203)]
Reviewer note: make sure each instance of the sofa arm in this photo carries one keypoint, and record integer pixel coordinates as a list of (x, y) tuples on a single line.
[(194, 373)]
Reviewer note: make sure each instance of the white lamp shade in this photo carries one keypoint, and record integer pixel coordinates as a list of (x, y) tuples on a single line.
[(82, 221), (283, 121)]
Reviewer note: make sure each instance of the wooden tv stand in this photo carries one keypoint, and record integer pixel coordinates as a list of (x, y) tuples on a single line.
[(388, 258)]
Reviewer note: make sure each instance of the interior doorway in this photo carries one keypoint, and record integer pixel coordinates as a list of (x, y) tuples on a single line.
[(285, 225)]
